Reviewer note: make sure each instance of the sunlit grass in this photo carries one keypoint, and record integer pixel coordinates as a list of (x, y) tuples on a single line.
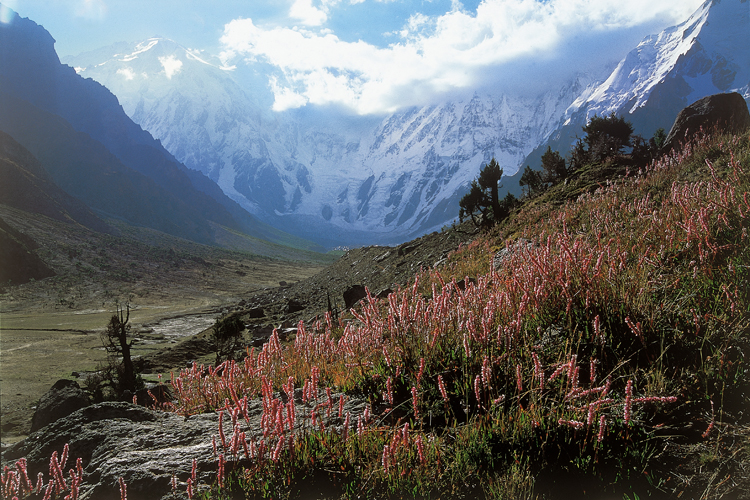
[(557, 369)]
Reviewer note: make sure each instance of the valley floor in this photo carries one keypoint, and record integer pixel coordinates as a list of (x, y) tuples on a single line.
[(50, 328)]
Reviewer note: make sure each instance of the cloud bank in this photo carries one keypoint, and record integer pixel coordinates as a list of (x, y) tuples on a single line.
[(512, 42)]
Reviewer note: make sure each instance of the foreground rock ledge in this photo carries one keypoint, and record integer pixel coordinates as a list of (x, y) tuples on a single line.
[(145, 447), (114, 440)]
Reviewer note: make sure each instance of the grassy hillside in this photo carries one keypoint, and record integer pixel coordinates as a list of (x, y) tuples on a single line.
[(592, 345), (604, 355)]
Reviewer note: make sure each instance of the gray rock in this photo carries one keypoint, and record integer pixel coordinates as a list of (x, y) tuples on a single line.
[(354, 294), (119, 439), (726, 112), (519, 246), (65, 397), (293, 306), (147, 447), (255, 313), (409, 247), (382, 257)]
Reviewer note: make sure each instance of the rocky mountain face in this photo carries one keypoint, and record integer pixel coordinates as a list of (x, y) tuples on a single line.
[(41, 96), (26, 185), (344, 180), (705, 55), (336, 180)]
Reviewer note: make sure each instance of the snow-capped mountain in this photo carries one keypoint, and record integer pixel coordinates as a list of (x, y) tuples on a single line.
[(707, 54), (354, 180), (334, 179)]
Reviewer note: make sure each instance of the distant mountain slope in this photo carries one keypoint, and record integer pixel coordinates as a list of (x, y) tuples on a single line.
[(353, 180), (31, 71), (84, 168), (25, 184), (334, 179), (18, 262), (707, 54)]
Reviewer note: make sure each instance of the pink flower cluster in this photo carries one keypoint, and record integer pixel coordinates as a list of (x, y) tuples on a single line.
[(15, 481)]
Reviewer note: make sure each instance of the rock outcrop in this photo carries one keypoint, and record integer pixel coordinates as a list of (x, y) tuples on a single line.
[(727, 112), (148, 447), (354, 294), (65, 397), (145, 447)]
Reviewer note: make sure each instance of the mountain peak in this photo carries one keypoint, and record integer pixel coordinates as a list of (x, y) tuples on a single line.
[(707, 54)]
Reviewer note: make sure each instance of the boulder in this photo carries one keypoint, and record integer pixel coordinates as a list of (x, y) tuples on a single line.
[(354, 294), (727, 112), (293, 306), (118, 439), (255, 313), (65, 397), (409, 247), (147, 447)]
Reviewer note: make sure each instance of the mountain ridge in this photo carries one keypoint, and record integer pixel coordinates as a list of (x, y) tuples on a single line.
[(704, 55), (32, 72), (351, 180)]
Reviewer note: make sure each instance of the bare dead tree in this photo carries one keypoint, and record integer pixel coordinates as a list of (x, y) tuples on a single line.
[(116, 343)]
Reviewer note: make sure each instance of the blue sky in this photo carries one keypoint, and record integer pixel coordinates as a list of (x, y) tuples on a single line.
[(374, 56), (82, 25)]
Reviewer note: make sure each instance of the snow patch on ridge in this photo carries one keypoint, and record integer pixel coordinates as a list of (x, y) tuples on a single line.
[(140, 49)]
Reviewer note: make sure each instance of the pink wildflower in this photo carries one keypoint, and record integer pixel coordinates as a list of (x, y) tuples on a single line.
[(519, 382), (414, 402), (628, 400), (221, 430), (710, 425), (421, 371), (591, 414), (486, 372), (220, 471), (341, 405), (123, 490), (538, 372), (571, 423), (420, 450), (441, 386)]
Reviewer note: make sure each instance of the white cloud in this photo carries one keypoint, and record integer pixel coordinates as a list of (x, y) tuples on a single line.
[(128, 73), (304, 12), (285, 98), (450, 52), (171, 65), (95, 10)]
